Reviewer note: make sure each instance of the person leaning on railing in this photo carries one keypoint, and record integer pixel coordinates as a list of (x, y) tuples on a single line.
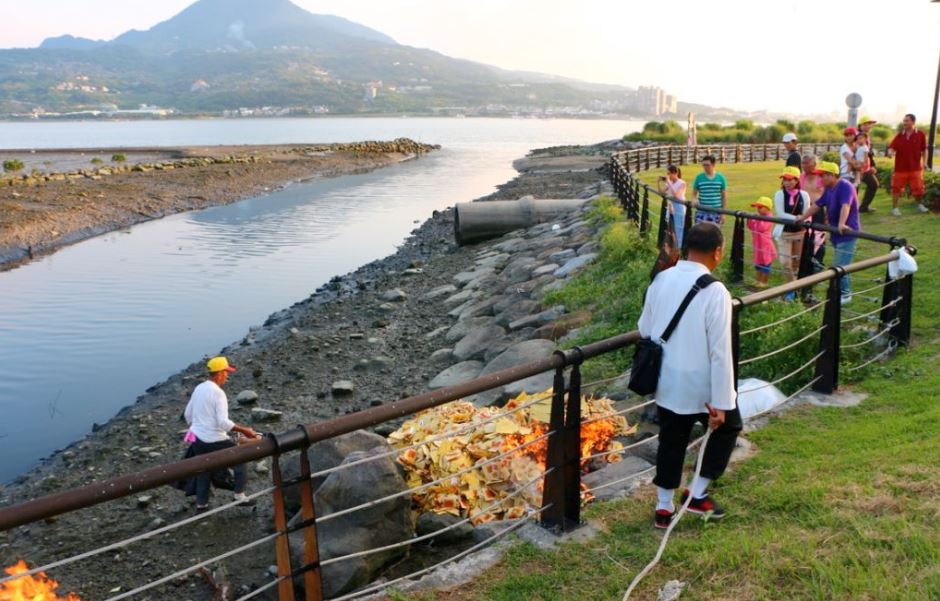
[(789, 203), (696, 381), (672, 186), (207, 416), (710, 190), (840, 202)]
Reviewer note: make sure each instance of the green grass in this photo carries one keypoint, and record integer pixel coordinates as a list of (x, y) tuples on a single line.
[(836, 504)]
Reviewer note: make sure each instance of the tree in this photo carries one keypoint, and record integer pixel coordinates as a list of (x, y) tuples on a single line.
[(118, 157)]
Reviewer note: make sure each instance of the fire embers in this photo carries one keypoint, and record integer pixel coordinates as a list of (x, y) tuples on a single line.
[(36, 587), (514, 477)]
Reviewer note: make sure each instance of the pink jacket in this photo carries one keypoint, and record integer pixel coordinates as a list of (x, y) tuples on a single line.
[(764, 250)]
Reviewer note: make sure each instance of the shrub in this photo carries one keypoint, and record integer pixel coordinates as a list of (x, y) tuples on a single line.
[(96, 161), (118, 157), (13, 165), (606, 210), (831, 156)]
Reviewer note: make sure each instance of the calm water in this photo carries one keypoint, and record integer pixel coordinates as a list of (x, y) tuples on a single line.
[(86, 330)]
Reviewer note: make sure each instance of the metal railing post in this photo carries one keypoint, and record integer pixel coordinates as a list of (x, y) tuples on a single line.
[(285, 588), (736, 341), (663, 223), (313, 585), (898, 294), (633, 211), (572, 469), (737, 250), (806, 254), (827, 365), (645, 212), (553, 495), (687, 226)]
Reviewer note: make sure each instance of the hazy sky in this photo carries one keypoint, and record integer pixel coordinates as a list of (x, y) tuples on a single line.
[(791, 55)]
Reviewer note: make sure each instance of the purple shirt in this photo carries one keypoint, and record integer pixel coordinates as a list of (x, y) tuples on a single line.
[(833, 199)]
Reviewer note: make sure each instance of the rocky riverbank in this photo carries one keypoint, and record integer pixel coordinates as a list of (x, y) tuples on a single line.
[(430, 315), (64, 198)]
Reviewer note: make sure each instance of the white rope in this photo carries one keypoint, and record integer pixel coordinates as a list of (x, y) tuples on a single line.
[(521, 522), (411, 491), (863, 315), (675, 520), (891, 325), (430, 535), (261, 589), (891, 348), (782, 349), (882, 285), (616, 413), (786, 377), (640, 473), (622, 450), (192, 568), (785, 319)]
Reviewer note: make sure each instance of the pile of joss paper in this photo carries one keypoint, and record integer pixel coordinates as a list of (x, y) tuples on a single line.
[(481, 487)]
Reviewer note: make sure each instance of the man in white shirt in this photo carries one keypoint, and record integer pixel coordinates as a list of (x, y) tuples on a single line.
[(207, 416), (696, 383)]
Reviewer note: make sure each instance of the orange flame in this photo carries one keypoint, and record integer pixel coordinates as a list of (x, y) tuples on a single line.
[(37, 587)]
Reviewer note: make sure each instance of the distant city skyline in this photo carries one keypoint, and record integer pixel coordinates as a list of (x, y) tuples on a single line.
[(803, 60)]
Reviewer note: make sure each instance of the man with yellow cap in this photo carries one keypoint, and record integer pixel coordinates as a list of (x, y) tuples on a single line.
[(840, 201), (207, 416)]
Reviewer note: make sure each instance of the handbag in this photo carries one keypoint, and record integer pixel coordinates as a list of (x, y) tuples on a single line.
[(648, 357)]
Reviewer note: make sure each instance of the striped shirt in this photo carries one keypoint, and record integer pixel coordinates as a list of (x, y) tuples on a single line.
[(709, 190)]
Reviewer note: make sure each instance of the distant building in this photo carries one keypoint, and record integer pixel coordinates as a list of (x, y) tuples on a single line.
[(652, 100), (199, 85), (670, 104)]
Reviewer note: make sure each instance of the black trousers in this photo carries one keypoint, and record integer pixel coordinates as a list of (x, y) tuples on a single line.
[(871, 187), (675, 430), (204, 480)]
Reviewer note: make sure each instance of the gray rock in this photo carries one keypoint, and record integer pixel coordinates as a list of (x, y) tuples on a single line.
[(259, 414), (343, 388), (475, 344), (482, 308), (528, 286), (383, 524), (247, 397), (545, 269), (467, 276), (463, 327), (460, 298), (539, 319), (508, 300), (574, 265), (562, 256), (144, 501), (387, 308), (615, 471), (671, 590), (495, 261), (589, 248), (430, 522), (376, 363), (456, 374), (395, 295), (517, 354), (325, 455), (434, 334), (511, 245), (442, 356), (517, 311), (520, 269), (456, 311), (438, 292), (483, 283), (412, 271)]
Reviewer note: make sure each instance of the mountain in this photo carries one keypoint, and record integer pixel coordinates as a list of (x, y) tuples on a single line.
[(222, 55)]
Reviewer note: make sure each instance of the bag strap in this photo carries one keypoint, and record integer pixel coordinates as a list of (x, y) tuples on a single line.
[(703, 282)]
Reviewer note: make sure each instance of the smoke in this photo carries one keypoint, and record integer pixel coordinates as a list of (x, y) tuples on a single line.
[(236, 32)]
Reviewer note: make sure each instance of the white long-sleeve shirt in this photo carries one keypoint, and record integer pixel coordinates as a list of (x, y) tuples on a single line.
[(697, 363), (207, 413)]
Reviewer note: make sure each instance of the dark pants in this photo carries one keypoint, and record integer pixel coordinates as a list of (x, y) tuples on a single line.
[(205, 479), (675, 430), (871, 187)]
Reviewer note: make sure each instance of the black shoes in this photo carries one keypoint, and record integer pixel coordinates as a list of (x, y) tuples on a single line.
[(704, 506)]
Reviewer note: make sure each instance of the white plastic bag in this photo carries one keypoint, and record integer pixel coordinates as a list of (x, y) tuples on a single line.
[(905, 265)]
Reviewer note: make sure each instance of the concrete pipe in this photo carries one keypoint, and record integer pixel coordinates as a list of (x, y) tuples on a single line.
[(476, 221)]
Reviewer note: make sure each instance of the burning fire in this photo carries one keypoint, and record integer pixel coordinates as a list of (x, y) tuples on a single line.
[(37, 587), (476, 493)]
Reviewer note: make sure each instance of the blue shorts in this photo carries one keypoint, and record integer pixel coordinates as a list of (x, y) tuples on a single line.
[(762, 268), (706, 215)]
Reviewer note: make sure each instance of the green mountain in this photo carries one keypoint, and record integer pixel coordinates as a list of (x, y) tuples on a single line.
[(219, 55)]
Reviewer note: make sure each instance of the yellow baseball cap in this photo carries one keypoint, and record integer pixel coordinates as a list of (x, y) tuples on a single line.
[(764, 201), (866, 119), (790, 173), (827, 167), (217, 364)]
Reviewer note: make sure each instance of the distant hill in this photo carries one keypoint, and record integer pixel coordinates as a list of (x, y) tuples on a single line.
[(223, 55)]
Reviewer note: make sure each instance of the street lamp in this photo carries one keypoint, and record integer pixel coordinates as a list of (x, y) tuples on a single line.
[(933, 118)]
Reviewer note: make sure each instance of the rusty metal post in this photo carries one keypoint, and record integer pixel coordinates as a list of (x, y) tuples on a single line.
[(737, 250), (553, 495), (285, 588), (313, 585), (827, 366), (573, 445)]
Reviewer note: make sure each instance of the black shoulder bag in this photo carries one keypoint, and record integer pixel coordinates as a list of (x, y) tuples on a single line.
[(648, 358)]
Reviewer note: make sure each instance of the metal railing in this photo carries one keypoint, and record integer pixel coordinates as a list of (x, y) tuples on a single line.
[(823, 347)]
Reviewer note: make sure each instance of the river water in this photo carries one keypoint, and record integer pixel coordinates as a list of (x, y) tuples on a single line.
[(86, 330)]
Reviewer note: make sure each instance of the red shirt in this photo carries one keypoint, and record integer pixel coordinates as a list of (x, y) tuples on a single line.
[(908, 151)]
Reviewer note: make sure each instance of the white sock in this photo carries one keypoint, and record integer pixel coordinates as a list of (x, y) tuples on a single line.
[(665, 496), (700, 487)]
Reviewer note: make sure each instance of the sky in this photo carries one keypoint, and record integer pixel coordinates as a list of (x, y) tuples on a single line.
[(794, 56)]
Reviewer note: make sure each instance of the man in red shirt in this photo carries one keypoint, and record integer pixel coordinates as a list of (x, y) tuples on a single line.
[(910, 156)]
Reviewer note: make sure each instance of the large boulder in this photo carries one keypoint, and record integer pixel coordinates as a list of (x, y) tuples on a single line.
[(378, 525), (456, 374), (325, 455), (517, 354), (475, 344), (465, 326)]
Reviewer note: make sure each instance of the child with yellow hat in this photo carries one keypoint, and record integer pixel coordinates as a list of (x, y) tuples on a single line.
[(765, 252)]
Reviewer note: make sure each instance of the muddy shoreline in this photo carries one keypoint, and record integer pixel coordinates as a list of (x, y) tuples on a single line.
[(346, 330), (64, 198)]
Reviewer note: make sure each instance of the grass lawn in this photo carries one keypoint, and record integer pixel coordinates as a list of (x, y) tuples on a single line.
[(836, 504)]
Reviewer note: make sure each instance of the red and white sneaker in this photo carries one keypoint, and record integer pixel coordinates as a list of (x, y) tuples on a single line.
[(704, 506)]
